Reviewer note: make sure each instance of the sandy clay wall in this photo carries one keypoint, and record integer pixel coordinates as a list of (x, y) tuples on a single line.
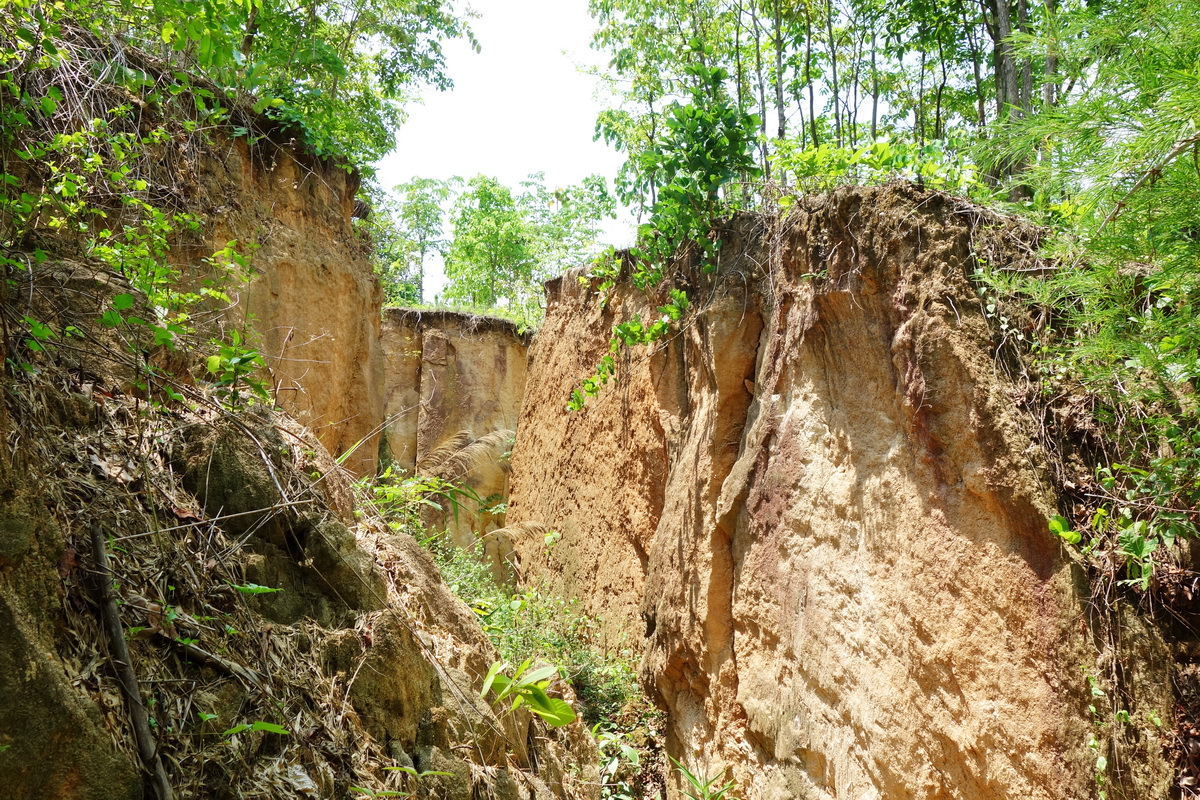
[(454, 381), (312, 297), (820, 516)]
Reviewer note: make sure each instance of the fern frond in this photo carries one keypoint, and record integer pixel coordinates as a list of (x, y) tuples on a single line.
[(429, 462), (473, 455)]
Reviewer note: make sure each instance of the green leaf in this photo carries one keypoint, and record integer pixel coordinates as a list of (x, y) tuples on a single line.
[(493, 672), (122, 302), (554, 711), (162, 336), (270, 727), (1061, 527), (539, 674), (253, 588)]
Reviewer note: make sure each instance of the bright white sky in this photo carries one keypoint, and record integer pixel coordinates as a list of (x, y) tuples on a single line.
[(519, 106)]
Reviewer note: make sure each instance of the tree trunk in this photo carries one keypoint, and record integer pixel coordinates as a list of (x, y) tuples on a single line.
[(1026, 98), (741, 80), (1050, 79), (853, 104), (762, 94), (780, 109), (421, 278), (798, 96), (812, 101), (874, 91), (937, 115), (837, 117), (1012, 96), (977, 70), (1008, 100), (920, 111)]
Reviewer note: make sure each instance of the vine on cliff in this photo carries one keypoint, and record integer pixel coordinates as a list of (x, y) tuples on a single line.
[(707, 145)]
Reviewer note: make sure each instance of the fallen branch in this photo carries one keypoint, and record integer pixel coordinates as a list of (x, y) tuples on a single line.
[(244, 674), (119, 653)]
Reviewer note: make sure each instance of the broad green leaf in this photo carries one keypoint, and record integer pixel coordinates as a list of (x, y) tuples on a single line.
[(253, 588), (492, 673), (539, 674)]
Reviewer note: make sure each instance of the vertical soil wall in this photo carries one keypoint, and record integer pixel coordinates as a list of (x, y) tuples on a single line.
[(819, 514), (454, 379), (312, 297)]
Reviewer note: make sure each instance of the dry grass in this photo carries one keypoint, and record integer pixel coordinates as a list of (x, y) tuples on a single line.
[(101, 453)]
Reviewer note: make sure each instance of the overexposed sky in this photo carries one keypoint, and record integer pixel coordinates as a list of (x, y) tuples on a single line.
[(517, 107)]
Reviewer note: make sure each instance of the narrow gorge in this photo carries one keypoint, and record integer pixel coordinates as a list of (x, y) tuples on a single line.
[(817, 515)]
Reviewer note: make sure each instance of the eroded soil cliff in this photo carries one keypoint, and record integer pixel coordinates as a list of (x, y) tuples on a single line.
[(283, 643), (455, 382), (820, 513), (312, 299)]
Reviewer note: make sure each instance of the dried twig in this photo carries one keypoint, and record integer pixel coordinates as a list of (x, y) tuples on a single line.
[(244, 674), (119, 653)]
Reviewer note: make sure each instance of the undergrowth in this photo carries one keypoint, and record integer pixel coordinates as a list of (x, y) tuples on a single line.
[(533, 624), (522, 623)]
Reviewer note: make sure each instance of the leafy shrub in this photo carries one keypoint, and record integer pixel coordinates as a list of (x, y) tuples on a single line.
[(533, 624), (939, 165)]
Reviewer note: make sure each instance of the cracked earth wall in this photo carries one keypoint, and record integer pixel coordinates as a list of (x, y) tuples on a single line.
[(454, 374), (818, 514)]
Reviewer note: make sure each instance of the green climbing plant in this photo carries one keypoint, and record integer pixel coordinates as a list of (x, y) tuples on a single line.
[(707, 144)]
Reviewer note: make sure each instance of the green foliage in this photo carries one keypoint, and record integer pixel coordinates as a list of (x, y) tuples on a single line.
[(699, 788), (266, 727), (399, 498), (619, 762), (253, 588), (79, 177), (490, 259), (525, 626), (406, 228), (526, 688), (506, 244), (938, 165), (337, 73), (233, 368), (707, 145), (1113, 170), (534, 625), (564, 221), (1061, 528)]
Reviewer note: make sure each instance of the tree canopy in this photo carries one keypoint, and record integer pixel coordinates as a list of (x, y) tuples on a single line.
[(339, 72), (505, 244)]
